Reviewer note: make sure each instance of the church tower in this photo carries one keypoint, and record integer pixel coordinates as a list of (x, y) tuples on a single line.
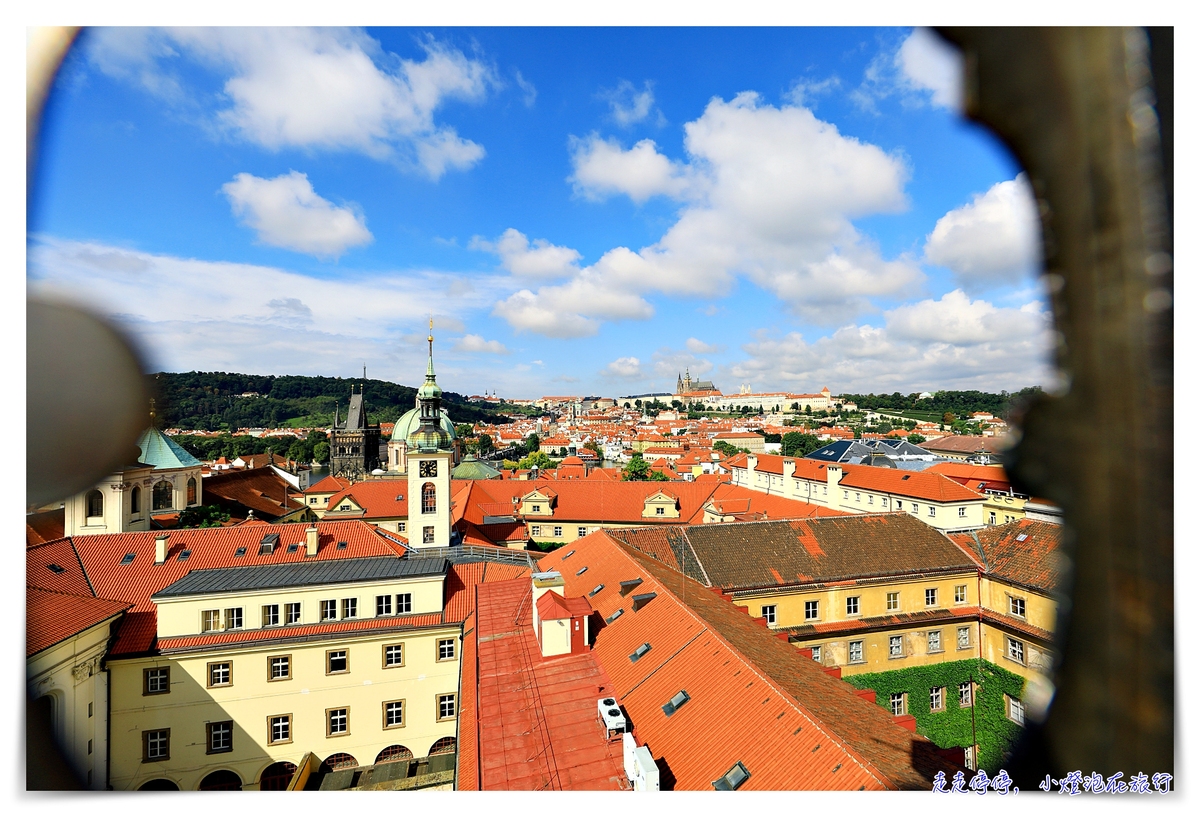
[(430, 452)]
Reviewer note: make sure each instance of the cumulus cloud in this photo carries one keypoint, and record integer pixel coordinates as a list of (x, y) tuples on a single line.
[(603, 168), (539, 259), (333, 89), (699, 347), (146, 289), (476, 343), (929, 63), (923, 69), (993, 239), (804, 92), (767, 193), (286, 212), (952, 342), (669, 363), (528, 91), (626, 368), (628, 105)]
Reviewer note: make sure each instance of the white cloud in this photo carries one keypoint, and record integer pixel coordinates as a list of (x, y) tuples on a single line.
[(286, 212), (994, 239), (629, 105), (929, 63), (204, 299), (670, 363), (923, 69), (541, 260), (769, 194), (333, 89), (699, 347), (803, 91), (476, 343), (952, 342), (602, 169), (527, 89), (626, 368)]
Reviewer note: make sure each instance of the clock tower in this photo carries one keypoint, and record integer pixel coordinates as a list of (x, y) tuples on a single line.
[(430, 458)]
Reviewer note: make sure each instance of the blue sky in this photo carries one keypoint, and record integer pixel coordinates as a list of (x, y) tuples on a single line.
[(584, 210)]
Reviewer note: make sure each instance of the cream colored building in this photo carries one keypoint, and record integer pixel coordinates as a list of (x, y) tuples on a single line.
[(261, 665)]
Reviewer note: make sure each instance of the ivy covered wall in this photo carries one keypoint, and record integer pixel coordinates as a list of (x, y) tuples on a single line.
[(951, 726)]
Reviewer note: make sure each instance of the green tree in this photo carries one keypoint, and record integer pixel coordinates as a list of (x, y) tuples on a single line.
[(728, 449), (321, 452), (797, 444), (485, 444), (202, 516), (594, 447), (532, 443), (658, 476), (539, 458), (636, 470), (916, 439)]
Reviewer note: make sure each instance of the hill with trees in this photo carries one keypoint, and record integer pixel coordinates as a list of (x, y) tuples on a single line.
[(216, 401), (961, 403)]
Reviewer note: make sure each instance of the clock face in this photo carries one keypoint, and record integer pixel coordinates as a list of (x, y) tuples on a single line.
[(428, 468)]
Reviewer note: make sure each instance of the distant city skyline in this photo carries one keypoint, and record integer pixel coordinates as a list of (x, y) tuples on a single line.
[(584, 211)]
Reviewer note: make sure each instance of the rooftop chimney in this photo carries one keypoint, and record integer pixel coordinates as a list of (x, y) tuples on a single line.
[(160, 548), (311, 538)]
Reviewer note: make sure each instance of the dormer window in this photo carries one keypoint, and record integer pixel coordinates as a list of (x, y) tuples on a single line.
[(672, 706), (732, 779), (629, 585), (641, 600), (640, 652), (268, 543)]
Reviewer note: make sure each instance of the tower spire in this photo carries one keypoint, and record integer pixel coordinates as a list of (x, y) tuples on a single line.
[(429, 371)]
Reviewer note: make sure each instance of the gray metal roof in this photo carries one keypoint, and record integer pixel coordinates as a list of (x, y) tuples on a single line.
[(300, 574)]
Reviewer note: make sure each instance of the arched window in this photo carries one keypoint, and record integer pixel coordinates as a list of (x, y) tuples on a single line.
[(95, 503), (428, 498), (394, 753), (443, 746), (135, 500), (191, 491), (223, 780), (276, 776), (162, 499), (341, 760)]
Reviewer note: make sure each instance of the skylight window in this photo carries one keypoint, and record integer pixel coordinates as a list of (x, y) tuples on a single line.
[(240, 552), (733, 778), (183, 556), (581, 571), (128, 559), (1022, 538), (639, 652), (293, 547), (614, 616), (56, 568), (596, 590), (341, 545), (671, 706), (569, 555), (642, 599)]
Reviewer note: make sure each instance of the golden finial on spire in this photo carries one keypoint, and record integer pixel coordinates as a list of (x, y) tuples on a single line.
[(151, 411), (431, 327)]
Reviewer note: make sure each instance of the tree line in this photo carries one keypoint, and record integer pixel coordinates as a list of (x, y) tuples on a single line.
[(961, 403), (213, 401)]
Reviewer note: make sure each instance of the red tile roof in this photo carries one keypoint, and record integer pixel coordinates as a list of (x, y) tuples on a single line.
[(327, 485), (59, 553), (752, 697), (379, 499), (915, 484), (1024, 552), (551, 606), (746, 555), (966, 444), (258, 489), (44, 527), (101, 556), (534, 718), (975, 477), (51, 617)]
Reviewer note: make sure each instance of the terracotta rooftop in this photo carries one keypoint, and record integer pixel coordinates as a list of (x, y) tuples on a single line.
[(534, 718), (751, 697), (1023, 552), (915, 484), (45, 526), (744, 555), (966, 444), (51, 617), (258, 489)]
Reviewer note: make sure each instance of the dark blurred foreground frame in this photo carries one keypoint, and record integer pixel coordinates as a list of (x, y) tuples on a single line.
[(1088, 112)]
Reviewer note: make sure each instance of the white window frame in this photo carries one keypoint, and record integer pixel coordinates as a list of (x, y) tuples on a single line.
[(933, 641), (963, 643), (403, 603), (768, 613), (966, 694), (855, 647), (898, 703), (329, 609), (931, 594), (812, 611), (337, 717), (270, 615), (294, 612), (350, 608), (1015, 651), (937, 699), (447, 706), (279, 729), (272, 663), (1016, 710), (962, 512), (816, 652), (387, 656), (893, 601), (895, 646), (1015, 602), (446, 649), (853, 606), (383, 605), (960, 594)]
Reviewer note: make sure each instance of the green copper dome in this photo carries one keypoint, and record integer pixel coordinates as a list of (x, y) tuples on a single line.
[(429, 439), (411, 420)]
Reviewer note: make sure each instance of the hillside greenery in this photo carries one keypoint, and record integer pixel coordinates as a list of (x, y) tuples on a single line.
[(212, 401), (961, 403)]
